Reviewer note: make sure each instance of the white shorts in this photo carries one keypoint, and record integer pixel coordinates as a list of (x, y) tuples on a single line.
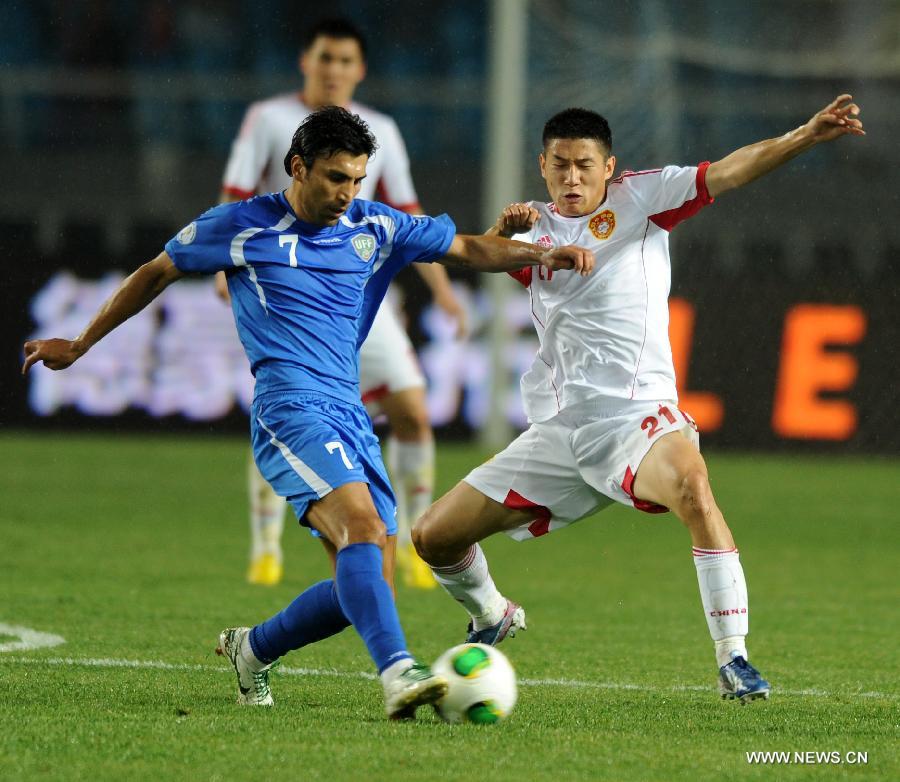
[(387, 361), (579, 462)]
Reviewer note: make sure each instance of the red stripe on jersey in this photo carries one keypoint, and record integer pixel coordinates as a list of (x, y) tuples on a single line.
[(624, 174), (541, 524), (375, 394), (644, 505), (238, 192), (522, 275), (671, 217)]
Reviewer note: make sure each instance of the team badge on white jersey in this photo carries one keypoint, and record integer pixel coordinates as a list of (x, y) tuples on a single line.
[(603, 224), (364, 245)]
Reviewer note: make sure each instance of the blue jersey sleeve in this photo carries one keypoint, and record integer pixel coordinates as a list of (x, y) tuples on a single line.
[(415, 239), (204, 245), (420, 239)]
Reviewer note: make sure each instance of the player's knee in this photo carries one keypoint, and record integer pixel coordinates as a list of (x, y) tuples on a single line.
[(428, 536), (365, 526), (694, 496)]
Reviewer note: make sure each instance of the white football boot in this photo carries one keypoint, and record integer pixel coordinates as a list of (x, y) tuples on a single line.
[(253, 681), (414, 687)]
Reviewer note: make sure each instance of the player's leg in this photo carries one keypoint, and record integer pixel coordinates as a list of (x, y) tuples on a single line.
[(346, 515), (266, 527), (389, 553), (527, 490), (392, 383), (325, 458), (674, 474), (314, 615), (348, 519), (447, 538), (410, 462)]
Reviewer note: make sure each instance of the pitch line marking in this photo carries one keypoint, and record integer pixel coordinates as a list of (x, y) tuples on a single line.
[(28, 639), (112, 662)]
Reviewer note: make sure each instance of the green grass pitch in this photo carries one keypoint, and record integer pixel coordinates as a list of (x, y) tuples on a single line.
[(133, 550)]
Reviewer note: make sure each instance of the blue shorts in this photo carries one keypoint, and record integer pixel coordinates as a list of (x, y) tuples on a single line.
[(306, 445)]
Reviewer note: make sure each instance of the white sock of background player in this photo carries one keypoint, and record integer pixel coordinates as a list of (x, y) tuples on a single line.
[(723, 591), (470, 583), (266, 515), (411, 467)]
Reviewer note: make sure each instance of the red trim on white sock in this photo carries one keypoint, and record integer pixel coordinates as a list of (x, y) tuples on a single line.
[(460, 566), (712, 552)]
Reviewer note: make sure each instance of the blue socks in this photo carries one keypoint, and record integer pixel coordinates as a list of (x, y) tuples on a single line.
[(314, 615), (358, 595), (367, 602)]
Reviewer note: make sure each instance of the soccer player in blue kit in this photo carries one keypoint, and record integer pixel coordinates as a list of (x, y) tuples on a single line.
[(307, 268)]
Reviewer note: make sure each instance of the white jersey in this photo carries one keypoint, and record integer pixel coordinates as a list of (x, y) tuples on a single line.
[(257, 154), (606, 335)]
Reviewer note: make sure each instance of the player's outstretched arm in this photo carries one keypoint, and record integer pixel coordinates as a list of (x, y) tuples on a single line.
[(135, 293), (838, 118), (495, 254)]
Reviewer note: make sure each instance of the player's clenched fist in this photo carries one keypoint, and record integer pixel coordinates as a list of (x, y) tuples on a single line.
[(570, 256), (516, 219), (55, 353)]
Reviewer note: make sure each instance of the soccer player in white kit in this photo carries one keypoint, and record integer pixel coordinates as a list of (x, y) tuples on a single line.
[(600, 396), (333, 63)]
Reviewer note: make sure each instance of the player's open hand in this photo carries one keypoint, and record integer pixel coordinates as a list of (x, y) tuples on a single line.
[(571, 256), (516, 219), (55, 353), (838, 118)]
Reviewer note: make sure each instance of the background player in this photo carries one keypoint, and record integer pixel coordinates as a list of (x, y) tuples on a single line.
[(601, 395), (333, 63), (307, 269)]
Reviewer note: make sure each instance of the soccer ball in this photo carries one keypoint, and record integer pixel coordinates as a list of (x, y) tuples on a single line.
[(482, 684)]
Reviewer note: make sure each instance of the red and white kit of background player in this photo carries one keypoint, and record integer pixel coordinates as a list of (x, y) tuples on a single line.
[(332, 62), (600, 395)]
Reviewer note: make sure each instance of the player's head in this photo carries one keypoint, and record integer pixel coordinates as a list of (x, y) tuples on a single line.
[(333, 62), (327, 162), (576, 160)]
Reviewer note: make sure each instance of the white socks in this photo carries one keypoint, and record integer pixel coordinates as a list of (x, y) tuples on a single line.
[(723, 591), (470, 583), (245, 650), (266, 515), (411, 466)]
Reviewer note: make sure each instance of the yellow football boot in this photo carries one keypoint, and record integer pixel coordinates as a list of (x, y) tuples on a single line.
[(265, 570), (414, 569)]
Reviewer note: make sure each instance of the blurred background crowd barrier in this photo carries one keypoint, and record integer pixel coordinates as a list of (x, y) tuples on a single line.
[(117, 119)]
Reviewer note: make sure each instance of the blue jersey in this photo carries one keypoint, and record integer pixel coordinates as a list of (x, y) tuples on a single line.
[(304, 296)]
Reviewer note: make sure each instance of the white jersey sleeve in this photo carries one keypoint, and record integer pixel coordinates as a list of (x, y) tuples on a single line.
[(249, 156), (395, 185), (669, 195)]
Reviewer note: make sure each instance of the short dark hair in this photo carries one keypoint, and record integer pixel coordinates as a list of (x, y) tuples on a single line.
[(579, 123), (334, 28), (327, 131)]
